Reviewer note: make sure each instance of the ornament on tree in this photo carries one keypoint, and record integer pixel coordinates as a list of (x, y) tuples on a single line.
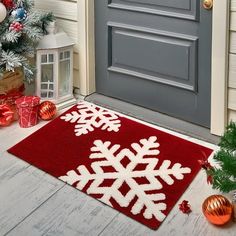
[(9, 4), (6, 115), (47, 110), (217, 209), (16, 26), (3, 12), (19, 14)]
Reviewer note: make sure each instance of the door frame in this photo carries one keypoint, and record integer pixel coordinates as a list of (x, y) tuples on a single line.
[(219, 67)]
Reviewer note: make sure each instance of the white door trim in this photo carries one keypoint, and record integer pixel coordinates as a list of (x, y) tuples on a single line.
[(86, 46), (220, 32), (220, 54)]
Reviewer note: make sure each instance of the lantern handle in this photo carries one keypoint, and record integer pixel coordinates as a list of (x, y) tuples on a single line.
[(51, 28)]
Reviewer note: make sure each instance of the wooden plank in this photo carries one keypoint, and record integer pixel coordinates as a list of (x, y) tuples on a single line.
[(233, 5), (232, 70), (10, 164), (76, 81), (232, 99), (70, 27), (232, 115), (13, 134), (232, 46), (62, 9), (233, 21), (68, 212), (76, 60), (21, 193)]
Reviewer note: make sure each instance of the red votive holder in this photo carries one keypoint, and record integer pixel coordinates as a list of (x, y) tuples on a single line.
[(27, 107)]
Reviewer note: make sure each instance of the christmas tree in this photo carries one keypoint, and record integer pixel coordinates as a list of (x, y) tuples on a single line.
[(224, 176), (21, 27)]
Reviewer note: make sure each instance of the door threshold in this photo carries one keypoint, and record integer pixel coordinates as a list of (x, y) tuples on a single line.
[(154, 117)]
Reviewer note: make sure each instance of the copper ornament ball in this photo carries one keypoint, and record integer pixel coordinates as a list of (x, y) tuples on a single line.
[(217, 209), (47, 110)]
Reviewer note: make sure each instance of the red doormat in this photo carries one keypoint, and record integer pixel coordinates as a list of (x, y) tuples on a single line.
[(132, 167)]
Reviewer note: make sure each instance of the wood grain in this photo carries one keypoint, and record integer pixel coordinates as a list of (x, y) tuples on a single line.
[(232, 117), (232, 99), (68, 212), (62, 9), (22, 191), (232, 70)]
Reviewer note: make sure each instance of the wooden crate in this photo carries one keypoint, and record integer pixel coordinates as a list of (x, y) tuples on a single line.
[(11, 86), (11, 81)]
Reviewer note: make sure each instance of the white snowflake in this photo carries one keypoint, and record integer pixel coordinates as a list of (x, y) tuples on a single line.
[(107, 155), (89, 116)]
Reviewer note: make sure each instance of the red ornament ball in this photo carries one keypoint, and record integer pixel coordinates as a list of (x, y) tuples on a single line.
[(217, 209), (9, 4), (47, 110)]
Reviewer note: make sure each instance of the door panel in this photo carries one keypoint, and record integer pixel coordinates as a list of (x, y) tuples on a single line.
[(181, 9), (155, 59), (133, 52)]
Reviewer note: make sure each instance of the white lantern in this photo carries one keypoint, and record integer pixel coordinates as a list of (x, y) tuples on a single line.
[(55, 68)]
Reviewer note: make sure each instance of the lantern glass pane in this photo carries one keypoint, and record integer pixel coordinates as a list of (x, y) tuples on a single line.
[(64, 77), (47, 81), (44, 58), (67, 54), (51, 58), (43, 94)]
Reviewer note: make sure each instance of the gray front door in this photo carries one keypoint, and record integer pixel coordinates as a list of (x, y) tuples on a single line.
[(156, 54)]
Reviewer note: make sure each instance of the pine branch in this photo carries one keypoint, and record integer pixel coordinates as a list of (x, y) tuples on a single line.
[(11, 36), (222, 181), (27, 4), (29, 72), (11, 60), (227, 162), (33, 33), (228, 141), (46, 19)]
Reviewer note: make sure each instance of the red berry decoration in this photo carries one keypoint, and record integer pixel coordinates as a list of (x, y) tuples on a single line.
[(16, 26), (47, 110), (185, 207)]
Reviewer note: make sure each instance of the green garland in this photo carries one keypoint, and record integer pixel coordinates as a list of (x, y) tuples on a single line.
[(17, 47), (224, 176)]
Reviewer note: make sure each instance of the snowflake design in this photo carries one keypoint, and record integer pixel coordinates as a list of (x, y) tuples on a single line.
[(88, 116), (144, 153)]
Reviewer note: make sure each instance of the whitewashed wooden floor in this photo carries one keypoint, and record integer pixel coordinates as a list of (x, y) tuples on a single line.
[(33, 203)]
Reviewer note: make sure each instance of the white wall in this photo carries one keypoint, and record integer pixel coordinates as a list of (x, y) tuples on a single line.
[(66, 12), (232, 64)]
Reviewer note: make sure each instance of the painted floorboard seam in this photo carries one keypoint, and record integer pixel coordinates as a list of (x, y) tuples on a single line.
[(108, 224), (27, 166), (34, 210)]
